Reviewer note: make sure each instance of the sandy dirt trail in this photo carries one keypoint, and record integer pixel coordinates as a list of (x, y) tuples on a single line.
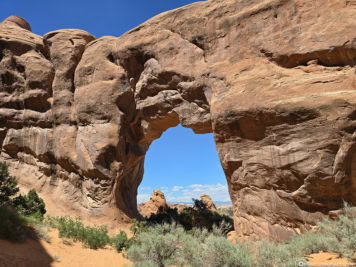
[(41, 254)]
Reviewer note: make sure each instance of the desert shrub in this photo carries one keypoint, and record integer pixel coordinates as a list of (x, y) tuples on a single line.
[(157, 246), (190, 253), (218, 251), (288, 253), (268, 254), (93, 237), (309, 243), (42, 232), (96, 237), (20, 216), (165, 215), (138, 227), (8, 185), (30, 205), (169, 244), (12, 225), (343, 231), (198, 216), (119, 241)]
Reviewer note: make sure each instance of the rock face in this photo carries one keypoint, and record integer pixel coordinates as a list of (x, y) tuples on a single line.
[(273, 80), (156, 201), (208, 202)]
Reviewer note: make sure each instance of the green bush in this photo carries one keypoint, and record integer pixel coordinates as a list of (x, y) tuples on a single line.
[(119, 241), (93, 237), (8, 185), (19, 213), (30, 205), (12, 226), (198, 216), (343, 231), (169, 244), (138, 227), (156, 247), (218, 251)]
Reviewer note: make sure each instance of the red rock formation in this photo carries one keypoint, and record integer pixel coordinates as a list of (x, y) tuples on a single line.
[(208, 202), (156, 201), (273, 80)]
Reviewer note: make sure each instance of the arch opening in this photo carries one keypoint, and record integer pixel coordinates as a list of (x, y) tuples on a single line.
[(183, 165)]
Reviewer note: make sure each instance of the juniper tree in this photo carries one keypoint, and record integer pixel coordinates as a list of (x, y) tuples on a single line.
[(8, 185)]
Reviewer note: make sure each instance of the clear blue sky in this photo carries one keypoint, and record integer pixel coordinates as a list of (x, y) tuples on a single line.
[(182, 164), (98, 17)]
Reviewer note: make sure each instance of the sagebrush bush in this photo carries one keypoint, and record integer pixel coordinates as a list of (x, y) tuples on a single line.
[(157, 247), (162, 245), (218, 251), (288, 253), (169, 244), (343, 231)]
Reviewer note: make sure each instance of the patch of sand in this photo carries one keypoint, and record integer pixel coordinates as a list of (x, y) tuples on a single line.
[(33, 253), (324, 259)]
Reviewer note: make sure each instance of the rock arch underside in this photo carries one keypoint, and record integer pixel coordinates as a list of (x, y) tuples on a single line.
[(273, 80)]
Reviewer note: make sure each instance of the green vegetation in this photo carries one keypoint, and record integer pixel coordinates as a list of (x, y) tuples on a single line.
[(92, 237), (119, 241), (13, 226), (170, 244), (8, 185), (30, 205), (20, 216), (198, 216), (194, 237)]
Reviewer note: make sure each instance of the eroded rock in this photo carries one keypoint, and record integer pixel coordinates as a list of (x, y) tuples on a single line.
[(156, 202), (274, 81), (206, 199)]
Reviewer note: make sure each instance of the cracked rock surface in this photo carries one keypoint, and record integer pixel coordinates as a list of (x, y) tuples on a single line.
[(273, 80)]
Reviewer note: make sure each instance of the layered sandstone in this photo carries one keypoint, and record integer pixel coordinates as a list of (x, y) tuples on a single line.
[(273, 80)]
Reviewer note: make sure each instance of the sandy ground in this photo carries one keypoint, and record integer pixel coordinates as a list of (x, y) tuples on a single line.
[(40, 253), (328, 260), (52, 209), (34, 253)]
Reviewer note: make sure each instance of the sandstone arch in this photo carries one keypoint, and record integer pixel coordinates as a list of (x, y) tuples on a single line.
[(273, 80)]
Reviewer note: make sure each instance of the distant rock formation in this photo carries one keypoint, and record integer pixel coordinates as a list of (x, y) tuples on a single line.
[(273, 80), (208, 202), (156, 201)]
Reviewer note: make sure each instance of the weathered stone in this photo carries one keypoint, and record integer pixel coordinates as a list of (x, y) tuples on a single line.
[(17, 21), (156, 202), (273, 80), (206, 199)]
